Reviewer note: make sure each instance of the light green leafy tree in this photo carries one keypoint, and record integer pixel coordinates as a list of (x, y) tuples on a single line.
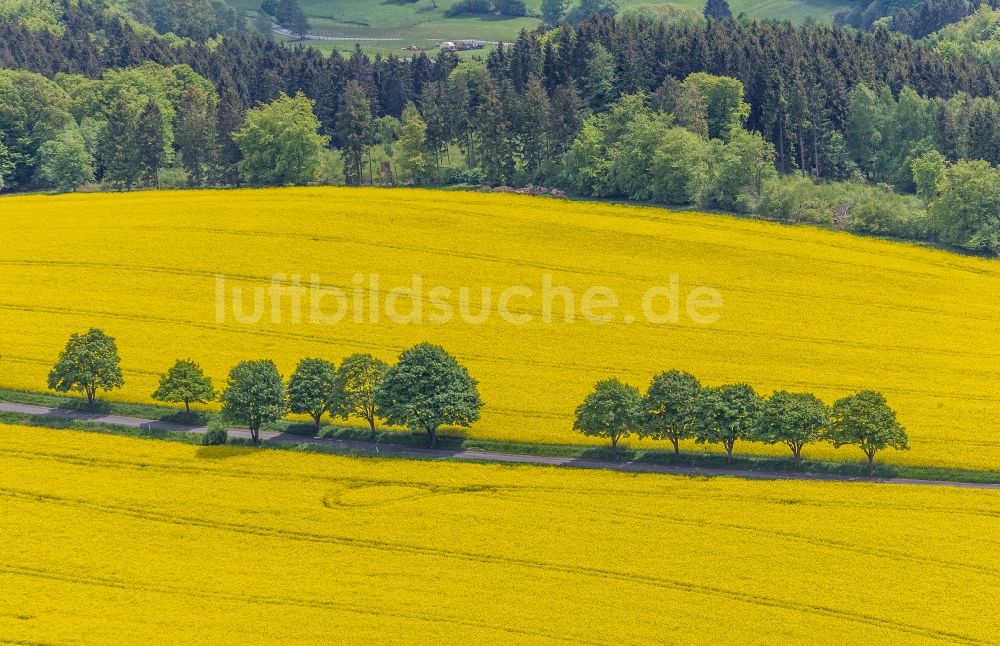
[(966, 213), (6, 163), (281, 143), (741, 167), (33, 110), (927, 172), (427, 389), (866, 420), (89, 362), (613, 410), (600, 77), (681, 167), (412, 153), (722, 97), (632, 154), (65, 161), (868, 116), (185, 382), (358, 379)]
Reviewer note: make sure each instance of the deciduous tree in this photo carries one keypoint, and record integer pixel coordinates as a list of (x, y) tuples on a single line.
[(427, 389), (793, 419), (254, 396), (359, 378), (185, 382), (670, 407), (413, 154), (613, 410), (313, 390), (89, 362), (727, 414), (280, 143), (865, 419), (65, 161)]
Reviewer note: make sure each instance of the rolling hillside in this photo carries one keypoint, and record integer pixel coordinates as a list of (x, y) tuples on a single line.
[(804, 309)]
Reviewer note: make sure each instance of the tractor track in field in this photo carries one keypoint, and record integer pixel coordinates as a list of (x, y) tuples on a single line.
[(395, 450)]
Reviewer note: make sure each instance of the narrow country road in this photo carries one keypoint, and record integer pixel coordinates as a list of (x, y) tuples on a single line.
[(471, 455)]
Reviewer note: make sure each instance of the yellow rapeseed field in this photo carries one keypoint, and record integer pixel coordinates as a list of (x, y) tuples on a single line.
[(803, 309), (110, 540)]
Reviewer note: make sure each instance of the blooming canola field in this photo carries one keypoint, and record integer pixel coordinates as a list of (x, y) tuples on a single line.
[(800, 308), (114, 540)]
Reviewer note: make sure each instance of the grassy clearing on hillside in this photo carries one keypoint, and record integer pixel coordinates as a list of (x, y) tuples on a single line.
[(804, 309), (109, 540), (420, 20)]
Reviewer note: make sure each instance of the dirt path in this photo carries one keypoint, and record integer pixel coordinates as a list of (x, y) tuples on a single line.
[(471, 455)]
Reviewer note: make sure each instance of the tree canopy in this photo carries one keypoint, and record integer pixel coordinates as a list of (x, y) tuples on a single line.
[(613, 410), (254, 396), (89, 362), (866, 420), (280, 142), (313, 390), (727, 414), (185, 382), (793, 419), (426, 389), (359, 378), (670, 407)]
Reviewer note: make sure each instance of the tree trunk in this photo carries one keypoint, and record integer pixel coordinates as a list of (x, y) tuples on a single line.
[(797, 455), (729, 452), (91, 395), (371, 422), (432, 436), (187, 408), (319, 422), (871, 462), (815, 152), (614, 445), (802, 153), (255, 435), (677, 447)]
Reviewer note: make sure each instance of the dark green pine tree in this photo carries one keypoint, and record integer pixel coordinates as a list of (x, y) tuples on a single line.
[(495, 150), (149, 143), (533, 114), (432, 109), (354, 130), (565, 117), (718, 10), (121, 168), (195, 134), (228, 119)]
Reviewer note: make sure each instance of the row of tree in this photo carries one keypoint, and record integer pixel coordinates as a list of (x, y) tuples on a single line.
[(426, 389), (677, 407)]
